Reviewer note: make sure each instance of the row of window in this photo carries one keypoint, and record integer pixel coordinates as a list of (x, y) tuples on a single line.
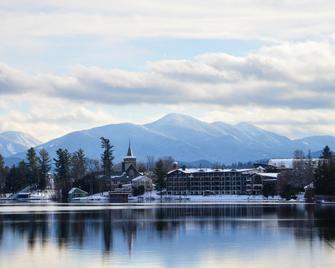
[(202, 192)]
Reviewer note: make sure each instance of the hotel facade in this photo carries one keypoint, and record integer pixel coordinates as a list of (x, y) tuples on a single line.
[(217, 181)]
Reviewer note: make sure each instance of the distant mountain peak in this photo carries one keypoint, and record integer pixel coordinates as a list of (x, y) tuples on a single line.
[(12, 142), (176, 118)]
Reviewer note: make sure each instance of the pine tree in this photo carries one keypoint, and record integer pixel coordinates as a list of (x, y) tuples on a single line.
[(2, 175), (160, 172), (44, 168), (324, 182), (78, 164), (16, 178), (33, 170), (107, 156), (62, 164), (327, 153)]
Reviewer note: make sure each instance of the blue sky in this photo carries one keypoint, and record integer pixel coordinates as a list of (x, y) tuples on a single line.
[(112, 61)]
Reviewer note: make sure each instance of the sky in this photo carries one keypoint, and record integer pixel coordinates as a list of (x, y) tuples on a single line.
[(67, 65)]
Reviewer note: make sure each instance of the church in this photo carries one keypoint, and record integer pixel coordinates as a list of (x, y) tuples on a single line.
[(129, 164)]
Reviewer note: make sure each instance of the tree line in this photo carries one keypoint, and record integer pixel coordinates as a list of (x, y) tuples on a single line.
[(72, 170)]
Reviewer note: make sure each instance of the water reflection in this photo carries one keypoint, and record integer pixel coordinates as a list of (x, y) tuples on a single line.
[(159, 232)]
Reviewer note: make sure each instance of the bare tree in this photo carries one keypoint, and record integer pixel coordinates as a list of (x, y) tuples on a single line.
[(150, 163)]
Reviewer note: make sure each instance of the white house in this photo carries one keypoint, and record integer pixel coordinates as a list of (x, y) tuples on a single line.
[(142, 180)]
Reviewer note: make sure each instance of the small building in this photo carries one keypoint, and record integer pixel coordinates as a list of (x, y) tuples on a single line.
[(129, 164), (118, 197), (76, 192), (142, 181)]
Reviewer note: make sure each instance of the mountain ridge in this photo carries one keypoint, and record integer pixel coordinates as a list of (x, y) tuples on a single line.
[(188, 139)]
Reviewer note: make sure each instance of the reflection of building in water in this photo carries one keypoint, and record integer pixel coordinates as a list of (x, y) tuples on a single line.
[(217, 181)]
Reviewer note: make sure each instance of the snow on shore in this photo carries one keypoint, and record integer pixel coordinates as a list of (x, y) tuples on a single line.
[(155, 197)]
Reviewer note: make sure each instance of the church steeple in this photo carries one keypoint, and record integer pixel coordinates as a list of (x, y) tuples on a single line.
[(130, 151)]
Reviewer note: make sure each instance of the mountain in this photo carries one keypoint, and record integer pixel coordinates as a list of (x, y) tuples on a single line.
[(12, 142), (187, 139)]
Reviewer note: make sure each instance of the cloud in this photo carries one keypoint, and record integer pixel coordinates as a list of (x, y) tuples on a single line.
[(254, 19), (293, 75)]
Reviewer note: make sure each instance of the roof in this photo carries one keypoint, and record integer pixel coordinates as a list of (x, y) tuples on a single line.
[(268, 175), (139, 178), (208, 170), (76, 189)]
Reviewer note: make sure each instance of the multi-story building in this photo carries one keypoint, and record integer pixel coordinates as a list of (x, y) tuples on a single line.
[(206, 181), (214, 181)]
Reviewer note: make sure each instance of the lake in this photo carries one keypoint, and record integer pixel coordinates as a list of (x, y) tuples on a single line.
[(170, 235)]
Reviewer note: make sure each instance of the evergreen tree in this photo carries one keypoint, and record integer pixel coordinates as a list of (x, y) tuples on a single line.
[(2, 175), (33, 171), (324, 182), (62, 164), (327, 153), (160, 171), (107, 156), (16, 178), (78, 164), (44, 168)]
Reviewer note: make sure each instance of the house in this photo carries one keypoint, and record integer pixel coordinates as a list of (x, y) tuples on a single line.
[(142, 181), (76, 192)]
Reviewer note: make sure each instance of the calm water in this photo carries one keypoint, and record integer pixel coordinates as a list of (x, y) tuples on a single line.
[(168, 236)]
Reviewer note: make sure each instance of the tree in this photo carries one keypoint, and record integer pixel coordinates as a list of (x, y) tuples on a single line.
[(160, 171), (2, 175), (217, 165), (141, 167), (92, 165), (140, 190), (301, 173), (269, 189), (78, 164), (288, 191), (16, 178), (62, 164), (327, 153), (150, 162), (298, 160), (107, 156), (44, 168), (324, 182), (33, 171)]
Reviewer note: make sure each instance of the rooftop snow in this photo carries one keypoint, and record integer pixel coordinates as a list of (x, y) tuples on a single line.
[(208, 170)]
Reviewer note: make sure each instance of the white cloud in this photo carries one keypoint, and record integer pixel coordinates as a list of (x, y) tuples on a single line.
[(294, 75), (254, 19)]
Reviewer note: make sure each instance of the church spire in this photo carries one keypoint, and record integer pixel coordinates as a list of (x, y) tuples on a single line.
[(130, 151)]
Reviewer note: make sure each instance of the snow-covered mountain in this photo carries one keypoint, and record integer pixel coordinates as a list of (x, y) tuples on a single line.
[(188, 139), (13, 142)]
